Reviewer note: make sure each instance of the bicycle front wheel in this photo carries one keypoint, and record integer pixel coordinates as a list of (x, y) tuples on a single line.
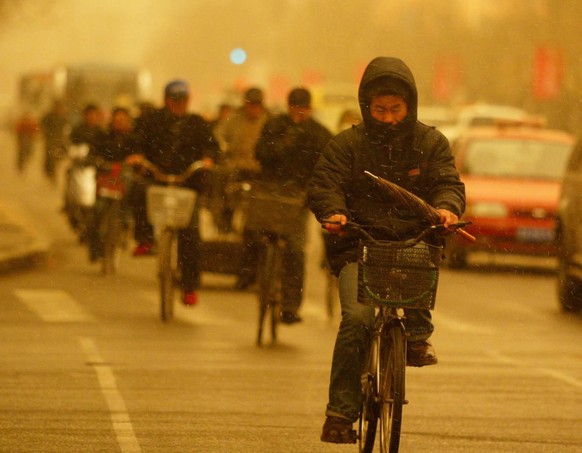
[(369, 413), (390, 386), (167, 259)]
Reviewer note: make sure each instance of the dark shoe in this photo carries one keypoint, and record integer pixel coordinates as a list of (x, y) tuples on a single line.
[(338, 431), (289, 317), (190, 298), (420, 353), (144, 249)]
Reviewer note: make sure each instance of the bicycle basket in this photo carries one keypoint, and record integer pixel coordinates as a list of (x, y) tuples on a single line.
[(170, 206), (275, 213), (394, 275)]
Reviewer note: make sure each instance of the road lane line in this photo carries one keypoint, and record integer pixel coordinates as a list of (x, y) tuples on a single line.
[(117, 409), (53, 305), (546, 371)]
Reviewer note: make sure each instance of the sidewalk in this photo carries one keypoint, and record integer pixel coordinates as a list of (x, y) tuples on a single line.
[(19, 239)]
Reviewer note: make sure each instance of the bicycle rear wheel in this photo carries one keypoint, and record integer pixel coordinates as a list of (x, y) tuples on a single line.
[(267, 275), (110, 233), (167, 259), (390, 386)]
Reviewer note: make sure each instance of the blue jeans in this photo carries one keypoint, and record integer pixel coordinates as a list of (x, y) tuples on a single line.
[(352, 342)]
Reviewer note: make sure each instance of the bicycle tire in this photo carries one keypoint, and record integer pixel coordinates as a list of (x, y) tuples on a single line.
[(390, 387), (111, 230), (369, 412), (166, 260), (266, 294)]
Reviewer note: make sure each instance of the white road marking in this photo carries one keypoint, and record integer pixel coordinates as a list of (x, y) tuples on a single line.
[(122, 426), (53, 305)]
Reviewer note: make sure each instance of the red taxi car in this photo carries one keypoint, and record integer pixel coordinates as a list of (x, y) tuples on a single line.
[(512, 173)]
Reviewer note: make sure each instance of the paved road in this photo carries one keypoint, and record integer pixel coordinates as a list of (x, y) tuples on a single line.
[(86, 365)]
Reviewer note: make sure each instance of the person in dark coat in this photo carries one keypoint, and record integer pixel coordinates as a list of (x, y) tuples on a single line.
[(109, 148), (55, 128), (288, 149), (173, 139), (391, 143)]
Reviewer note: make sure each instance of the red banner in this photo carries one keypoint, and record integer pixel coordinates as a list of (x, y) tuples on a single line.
[(447, 77), (548, 73)]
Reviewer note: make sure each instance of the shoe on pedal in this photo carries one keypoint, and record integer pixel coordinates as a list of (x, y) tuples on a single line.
[(338, 430), (144, 249), (420, 353), (290, 317), (190, 298)]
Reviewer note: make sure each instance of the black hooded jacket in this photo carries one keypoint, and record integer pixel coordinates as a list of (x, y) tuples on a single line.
[(412, 155)]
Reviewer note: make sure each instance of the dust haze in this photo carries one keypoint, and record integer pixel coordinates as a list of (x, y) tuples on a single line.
[(482, 50)]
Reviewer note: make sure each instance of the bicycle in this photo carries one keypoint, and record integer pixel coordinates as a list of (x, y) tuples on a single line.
[(392, 276), (169, 209), (266, 216), (111, 224)]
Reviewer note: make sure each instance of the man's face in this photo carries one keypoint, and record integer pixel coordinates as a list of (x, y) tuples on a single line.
[(299, 113), (388, 109), (121, 122), (177, 106), (253, 110), (92, 117)]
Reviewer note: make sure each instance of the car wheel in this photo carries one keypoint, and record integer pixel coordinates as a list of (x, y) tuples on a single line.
[(569, 289)]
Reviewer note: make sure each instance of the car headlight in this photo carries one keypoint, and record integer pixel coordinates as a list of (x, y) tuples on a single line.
[(487, 209)]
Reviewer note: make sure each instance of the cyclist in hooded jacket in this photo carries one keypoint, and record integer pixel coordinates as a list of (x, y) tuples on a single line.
[(391, 143)]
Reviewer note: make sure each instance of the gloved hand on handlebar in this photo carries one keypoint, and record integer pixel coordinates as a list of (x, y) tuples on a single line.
[(335, 223), (447, 218)]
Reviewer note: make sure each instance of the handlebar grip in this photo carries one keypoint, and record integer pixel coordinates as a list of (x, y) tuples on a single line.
[(465, 235)]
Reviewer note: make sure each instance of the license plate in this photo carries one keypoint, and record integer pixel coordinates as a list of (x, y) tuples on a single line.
[(535, 235)]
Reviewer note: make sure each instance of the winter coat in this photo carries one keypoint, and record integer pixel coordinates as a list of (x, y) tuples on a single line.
[(288, 152), (412, 155), (173, 143), (240, 135)]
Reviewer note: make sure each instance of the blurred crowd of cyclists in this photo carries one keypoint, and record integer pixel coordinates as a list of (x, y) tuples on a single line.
[(244, 147)]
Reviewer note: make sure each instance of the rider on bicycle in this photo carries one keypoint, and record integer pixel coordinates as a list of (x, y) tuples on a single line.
[(173, 139), (393, 144), (109, 150)]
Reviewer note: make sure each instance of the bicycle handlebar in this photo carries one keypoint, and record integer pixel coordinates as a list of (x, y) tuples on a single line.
[(160, 176), (455, 228)]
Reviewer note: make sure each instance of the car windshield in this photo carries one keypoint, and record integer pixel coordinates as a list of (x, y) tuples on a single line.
[(506, 158)]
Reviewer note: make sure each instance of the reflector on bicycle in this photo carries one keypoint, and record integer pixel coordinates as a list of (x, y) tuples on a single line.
[(396, 275)]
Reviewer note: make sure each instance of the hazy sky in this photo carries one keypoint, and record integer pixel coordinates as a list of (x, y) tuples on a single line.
[(187, 38)]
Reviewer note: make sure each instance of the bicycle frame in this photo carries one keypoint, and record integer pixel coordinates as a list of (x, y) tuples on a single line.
[(170, 208)]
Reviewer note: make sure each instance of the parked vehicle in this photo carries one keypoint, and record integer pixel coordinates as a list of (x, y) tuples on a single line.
[(512, 175), (481, 114), (569, 235)]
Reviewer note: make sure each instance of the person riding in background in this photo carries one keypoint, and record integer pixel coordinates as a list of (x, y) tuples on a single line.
[(173, 139), (110, 147), (90, 128), (239, 135), (392, 144), (288, 150), (55, 128)]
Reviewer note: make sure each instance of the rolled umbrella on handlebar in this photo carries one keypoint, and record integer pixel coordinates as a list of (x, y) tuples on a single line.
[(416, 204)]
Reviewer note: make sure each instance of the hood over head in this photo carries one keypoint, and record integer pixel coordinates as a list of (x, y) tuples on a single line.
[(390, 75)]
